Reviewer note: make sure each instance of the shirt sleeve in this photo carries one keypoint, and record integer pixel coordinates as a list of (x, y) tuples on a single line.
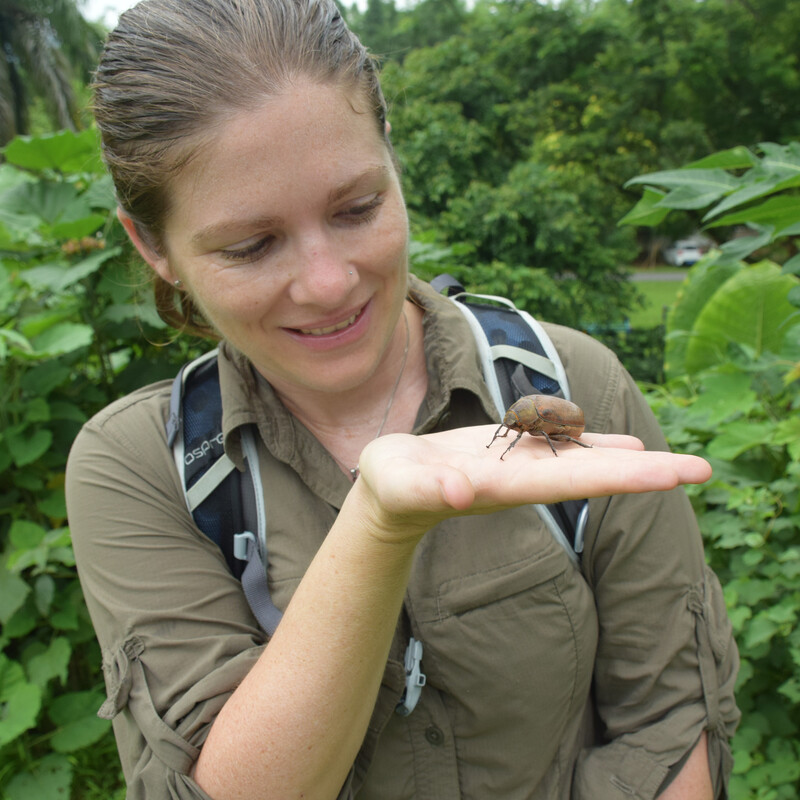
[(666, 661), (175, 631)]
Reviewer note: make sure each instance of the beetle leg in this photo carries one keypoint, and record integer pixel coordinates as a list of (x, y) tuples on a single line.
[(549, 440), (497, 433), (563, 437), (519, 436)]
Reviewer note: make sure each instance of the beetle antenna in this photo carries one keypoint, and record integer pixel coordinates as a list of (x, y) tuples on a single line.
[(497, 433)]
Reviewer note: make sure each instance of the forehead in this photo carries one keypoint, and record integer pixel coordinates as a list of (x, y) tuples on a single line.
[(308, 137)]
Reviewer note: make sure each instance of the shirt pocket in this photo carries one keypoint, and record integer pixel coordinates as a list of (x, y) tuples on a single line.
[(480, 589), (513, 637), (127, 692)]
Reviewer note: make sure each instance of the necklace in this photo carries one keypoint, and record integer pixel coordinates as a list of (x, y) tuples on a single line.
[(354, 472)]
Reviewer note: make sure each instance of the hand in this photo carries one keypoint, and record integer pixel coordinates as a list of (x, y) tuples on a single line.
[(416, 481)]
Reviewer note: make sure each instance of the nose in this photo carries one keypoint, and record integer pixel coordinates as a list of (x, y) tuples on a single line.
[(322, 275)]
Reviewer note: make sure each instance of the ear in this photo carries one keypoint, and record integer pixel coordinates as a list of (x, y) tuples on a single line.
[(156, 260)]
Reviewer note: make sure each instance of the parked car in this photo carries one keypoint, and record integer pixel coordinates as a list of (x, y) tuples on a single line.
[(684, 252)]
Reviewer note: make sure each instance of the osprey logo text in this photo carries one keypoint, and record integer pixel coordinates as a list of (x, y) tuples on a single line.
[(203, 450)]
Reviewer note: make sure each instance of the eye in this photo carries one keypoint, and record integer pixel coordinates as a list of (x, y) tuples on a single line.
[(250, 252), (363, 210)]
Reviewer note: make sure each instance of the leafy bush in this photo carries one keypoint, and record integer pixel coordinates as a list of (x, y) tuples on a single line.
[(743, 417), (74, 334), (733, 396)]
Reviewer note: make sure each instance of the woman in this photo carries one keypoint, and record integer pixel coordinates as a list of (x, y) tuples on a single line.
[(249, 147)]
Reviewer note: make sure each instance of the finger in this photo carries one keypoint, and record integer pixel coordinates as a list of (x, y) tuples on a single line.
[(580, 472), (619, 440)]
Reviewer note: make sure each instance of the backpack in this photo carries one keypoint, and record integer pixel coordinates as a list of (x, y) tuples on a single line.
[(517, 359)]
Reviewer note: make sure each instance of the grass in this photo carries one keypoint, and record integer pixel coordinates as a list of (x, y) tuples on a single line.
[(657, 294)]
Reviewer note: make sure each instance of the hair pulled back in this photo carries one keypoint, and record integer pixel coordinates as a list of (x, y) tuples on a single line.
[(173, 69)]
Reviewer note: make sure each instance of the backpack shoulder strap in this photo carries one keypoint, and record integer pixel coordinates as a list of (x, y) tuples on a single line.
[(518, 358), (227, 505)]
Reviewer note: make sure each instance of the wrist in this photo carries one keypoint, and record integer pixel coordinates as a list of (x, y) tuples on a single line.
[(385, 525)]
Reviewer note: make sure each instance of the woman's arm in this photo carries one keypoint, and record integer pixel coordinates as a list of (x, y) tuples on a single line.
[(295, 724), (693, 782)]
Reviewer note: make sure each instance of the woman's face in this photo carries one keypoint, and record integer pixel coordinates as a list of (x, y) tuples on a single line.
[(290, 233)]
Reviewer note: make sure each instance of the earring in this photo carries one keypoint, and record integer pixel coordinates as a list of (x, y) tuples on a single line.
[(177, 283), (350, 273)]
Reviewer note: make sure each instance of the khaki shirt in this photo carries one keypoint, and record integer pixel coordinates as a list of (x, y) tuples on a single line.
[(543, 681)]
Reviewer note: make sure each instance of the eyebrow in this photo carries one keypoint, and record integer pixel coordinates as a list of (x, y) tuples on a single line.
[(259, 223), (373, 172), (219, 228)]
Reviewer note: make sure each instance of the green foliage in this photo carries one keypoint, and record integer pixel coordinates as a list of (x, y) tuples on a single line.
[(724, 303), (514, 128), (733, 396), (742, 188), (743, 417), (74, 335)]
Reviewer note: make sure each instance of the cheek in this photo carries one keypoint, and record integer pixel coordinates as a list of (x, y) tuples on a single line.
[(234, 299), (391, 242)]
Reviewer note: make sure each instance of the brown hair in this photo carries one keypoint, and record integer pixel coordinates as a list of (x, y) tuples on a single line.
[(173, 68)]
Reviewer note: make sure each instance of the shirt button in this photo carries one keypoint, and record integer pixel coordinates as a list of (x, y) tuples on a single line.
[(434, 735)]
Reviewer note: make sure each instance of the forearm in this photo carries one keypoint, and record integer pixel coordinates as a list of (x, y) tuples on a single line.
[(693, 782), (294, 726)]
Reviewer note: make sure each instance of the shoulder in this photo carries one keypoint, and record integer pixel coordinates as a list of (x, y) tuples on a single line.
[(139, 417), (584, 357), (603, 388), (127, 438)]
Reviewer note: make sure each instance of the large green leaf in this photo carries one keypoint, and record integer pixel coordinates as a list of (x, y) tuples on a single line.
[(50, 779), (24, 534), (779, 212), (703, 279), (63, 338), (12, 339), (752, 192), (646, 211), (741, 247), (62, 211), (734, 158), (724, 395), (703, 181), (51, 663), (13, 591), (792, 266), (27, 444), (690, 198), (10, 178), (20, 701), (57, 277), (737, 437), (64, 151), (75, 714), (780, 159), (750, 309), (17, 227)]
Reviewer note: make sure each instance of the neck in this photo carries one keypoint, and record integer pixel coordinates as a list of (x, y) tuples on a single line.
[(345, 422)]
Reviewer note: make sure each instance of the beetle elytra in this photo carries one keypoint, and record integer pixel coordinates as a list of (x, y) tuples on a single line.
[(542, 415)]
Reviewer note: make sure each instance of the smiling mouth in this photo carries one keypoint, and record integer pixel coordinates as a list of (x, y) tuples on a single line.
[(331, 328)]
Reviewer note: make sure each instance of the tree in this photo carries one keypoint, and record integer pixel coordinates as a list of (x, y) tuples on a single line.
[(47, 46)]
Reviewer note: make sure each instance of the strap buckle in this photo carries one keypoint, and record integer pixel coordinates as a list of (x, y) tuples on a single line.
[(415, 678)]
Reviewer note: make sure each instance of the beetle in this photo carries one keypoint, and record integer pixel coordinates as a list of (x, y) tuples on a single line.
[(542, 415)]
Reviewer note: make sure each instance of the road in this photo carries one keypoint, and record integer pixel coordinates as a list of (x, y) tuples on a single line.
[(659, 275)]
